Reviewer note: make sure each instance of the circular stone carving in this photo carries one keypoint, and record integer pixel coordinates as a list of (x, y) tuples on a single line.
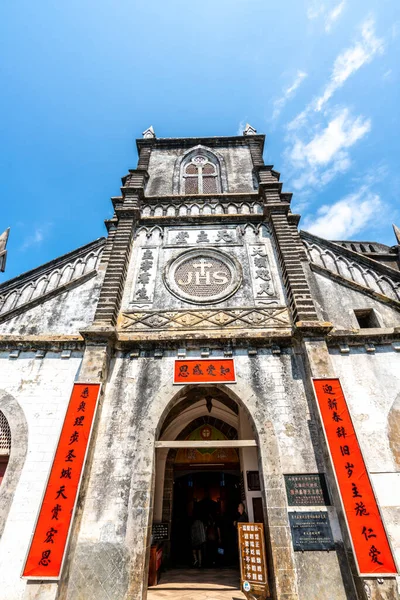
[(203, 276)]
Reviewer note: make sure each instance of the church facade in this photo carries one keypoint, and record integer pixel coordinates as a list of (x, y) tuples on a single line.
[(206, 315)]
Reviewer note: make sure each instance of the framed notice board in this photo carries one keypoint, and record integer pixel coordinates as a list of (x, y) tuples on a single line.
[(253, 563)]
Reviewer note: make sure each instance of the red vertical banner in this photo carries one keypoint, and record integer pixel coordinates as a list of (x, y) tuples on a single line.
[(49, 540), (369, 539)]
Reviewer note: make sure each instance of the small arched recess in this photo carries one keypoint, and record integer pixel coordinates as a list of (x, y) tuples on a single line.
[(15, 418)]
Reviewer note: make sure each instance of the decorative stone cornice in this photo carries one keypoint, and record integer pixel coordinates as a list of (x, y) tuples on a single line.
[(97, 334), (213, 142), (49, 342), (356, 337), (313, 328)]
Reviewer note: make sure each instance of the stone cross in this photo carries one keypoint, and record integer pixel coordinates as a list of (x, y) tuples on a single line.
[(202, 264)]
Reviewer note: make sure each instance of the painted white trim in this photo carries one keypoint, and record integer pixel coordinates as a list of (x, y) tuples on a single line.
[(206, 444)]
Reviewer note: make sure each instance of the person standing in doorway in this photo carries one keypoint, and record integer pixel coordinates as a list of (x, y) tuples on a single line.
[(213, 541), (242, 515), (198, 540)]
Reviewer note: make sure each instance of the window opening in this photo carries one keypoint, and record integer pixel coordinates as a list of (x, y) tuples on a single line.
[(366, 318), (200, 176)]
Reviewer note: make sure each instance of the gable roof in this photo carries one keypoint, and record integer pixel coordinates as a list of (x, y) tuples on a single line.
[(50, 279), (353, 269)]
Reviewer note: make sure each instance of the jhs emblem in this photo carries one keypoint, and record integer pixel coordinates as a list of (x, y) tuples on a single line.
[(202, 274)]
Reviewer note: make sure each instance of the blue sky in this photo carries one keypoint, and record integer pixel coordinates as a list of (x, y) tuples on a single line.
[(82, 79)]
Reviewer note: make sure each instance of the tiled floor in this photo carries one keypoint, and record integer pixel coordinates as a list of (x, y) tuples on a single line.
[(197, 584)]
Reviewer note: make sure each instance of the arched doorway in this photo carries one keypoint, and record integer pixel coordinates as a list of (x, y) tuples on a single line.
[(206, 463)]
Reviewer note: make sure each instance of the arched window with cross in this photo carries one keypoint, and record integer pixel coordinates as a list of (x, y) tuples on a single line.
[(201, 175)]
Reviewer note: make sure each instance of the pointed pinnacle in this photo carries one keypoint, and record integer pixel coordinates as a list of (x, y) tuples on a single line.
[(397, 233), (4, 238)]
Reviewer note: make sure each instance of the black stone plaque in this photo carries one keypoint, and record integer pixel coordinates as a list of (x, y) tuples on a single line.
[(308, 489), (160, 532), (253, 481), (311, 531)]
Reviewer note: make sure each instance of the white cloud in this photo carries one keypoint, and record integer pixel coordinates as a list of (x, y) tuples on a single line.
[(241, 127), (333, 15), (345, 65), (288, 93), (341, 132), (351, 60), (347, 217), (318, 160), (327, 10), (34, 239), (315, 9)]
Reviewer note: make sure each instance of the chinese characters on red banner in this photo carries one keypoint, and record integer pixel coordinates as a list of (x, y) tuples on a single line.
[(47, 547), (370, 542), (204, 371)]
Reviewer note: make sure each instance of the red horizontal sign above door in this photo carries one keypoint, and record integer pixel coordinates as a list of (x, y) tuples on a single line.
[(49, 540), (197, 370)]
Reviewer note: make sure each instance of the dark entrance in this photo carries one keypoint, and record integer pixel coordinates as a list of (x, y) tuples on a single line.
[(213, 497)]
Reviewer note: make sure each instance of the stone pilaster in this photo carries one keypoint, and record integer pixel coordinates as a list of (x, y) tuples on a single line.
[(289, 246), (127, 214), (100, 339)]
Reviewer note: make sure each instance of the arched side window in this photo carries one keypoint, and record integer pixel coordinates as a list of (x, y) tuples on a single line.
[(5, 445), (201, 176)]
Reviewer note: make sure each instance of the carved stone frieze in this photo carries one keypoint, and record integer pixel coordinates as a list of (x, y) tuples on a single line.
[(143, 292), (268, 318), (194, 236), (263, 285)]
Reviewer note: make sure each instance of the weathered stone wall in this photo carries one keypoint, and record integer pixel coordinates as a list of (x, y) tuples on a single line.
[(336, 303), (42, 389), (164, 248), (237, 160), (117, 512), (67, 313), (371, 383)]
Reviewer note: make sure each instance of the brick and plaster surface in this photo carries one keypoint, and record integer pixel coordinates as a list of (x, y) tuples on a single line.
[(42, 388), (119, 500), (66, 314), (371, 382), (119, 320), (237, 162)]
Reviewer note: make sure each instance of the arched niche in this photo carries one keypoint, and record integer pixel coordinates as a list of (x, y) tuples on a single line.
[(15, 417)]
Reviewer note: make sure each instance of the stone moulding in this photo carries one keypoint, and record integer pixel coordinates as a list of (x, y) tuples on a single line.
[(276, 317)]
